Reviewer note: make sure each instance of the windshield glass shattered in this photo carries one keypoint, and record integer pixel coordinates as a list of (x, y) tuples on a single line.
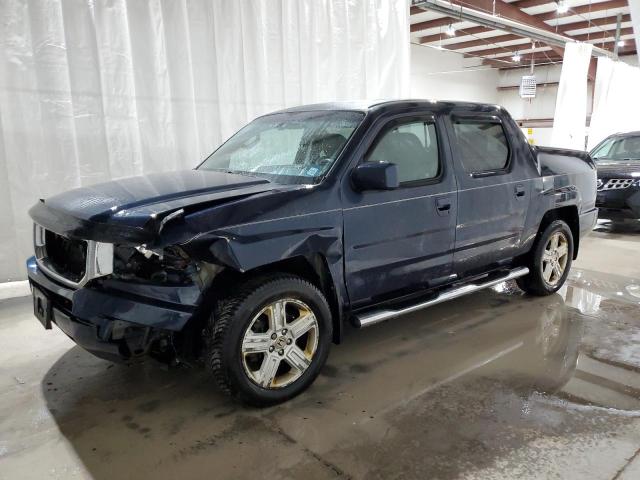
[(289, 147)]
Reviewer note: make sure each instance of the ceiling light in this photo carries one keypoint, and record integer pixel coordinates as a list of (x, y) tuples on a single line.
[(516, 57), (563, 7), (451, 31), (621, 43)]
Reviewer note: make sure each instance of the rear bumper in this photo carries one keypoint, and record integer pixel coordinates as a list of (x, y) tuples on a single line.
[(111, 324), (588, 222)]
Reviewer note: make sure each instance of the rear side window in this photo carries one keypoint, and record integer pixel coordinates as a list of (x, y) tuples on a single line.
[(413, 147), (483, 145)]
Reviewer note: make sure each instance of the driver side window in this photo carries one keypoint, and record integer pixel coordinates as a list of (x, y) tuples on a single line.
[(413, 147)]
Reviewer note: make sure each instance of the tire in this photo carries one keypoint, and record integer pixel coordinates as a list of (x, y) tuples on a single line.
[(245, 359), (536, 283)]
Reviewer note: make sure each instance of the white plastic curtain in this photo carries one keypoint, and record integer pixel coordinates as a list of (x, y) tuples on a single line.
[(634, 8), (616, 101), (569, 122), (92, 90)]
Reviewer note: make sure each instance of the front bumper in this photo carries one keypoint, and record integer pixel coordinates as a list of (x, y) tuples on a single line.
[(619, 204), (116, 321)]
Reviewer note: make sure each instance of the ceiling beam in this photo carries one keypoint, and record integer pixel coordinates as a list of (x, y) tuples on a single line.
[(463, 32), (511, 12), (594, 7), (602, 34), (596, 22), (539, 57), (507, 51), (531, 3), (483, 41), (510, 49), (438, 22), (525, 61), (578, 25)]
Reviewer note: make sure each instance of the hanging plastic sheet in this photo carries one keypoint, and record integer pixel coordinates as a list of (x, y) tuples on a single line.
[(569, 121), (92, 90), (616, 101)]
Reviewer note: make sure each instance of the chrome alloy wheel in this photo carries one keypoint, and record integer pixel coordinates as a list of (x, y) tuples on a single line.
[(279, 344), (554, 258)]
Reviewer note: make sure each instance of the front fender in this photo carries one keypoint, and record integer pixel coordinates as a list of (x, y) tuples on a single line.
[(249, 246)]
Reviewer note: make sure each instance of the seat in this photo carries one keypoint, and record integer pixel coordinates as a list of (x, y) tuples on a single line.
[(405, 150)]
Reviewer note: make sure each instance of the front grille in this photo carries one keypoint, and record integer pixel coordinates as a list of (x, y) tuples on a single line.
[(615, 184), (68, 257), (72, 262)]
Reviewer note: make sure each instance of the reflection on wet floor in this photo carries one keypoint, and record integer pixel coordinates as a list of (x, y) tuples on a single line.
[(462, 389), (618, 227)]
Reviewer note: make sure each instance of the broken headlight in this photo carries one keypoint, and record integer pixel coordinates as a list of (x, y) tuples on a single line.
[(170, 265)]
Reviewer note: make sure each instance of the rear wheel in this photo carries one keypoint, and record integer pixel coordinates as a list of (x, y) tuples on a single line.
[(550, 260), (268, 342)]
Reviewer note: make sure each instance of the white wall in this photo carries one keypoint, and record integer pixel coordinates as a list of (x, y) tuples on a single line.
[(440, 75)]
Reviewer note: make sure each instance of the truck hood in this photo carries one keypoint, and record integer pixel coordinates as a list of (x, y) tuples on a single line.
[(618, 168), (133, 209)]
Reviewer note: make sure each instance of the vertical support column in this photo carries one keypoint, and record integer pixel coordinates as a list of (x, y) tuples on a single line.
[(615, 43)]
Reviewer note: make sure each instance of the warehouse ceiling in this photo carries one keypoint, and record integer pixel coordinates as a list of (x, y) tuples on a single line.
[(592, 21)]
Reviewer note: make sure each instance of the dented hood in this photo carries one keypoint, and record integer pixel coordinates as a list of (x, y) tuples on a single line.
[(132, 209)]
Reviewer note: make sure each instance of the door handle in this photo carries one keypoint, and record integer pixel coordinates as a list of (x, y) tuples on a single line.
[(443, 205), (520, 191)]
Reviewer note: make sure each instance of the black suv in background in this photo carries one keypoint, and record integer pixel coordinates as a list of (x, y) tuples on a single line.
[(618, 160), (307, 218)]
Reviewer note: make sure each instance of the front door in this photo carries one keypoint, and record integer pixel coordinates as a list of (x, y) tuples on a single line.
[(401, 240)]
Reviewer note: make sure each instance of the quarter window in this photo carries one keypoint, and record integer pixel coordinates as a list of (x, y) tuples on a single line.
[(413, 147), (483, 145)]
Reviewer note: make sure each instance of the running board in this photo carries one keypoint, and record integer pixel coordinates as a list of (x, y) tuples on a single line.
[(370, 318)]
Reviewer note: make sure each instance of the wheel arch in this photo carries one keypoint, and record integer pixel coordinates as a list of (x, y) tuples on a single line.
[(315, 269), (569, 215)]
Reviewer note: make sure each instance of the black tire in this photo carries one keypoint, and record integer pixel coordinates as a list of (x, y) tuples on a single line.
[(534, 283), (235, 314)]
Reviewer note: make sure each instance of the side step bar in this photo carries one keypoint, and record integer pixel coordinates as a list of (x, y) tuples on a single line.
[(370, 318)]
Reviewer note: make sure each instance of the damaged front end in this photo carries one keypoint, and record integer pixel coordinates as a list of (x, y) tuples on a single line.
[(120, 302)]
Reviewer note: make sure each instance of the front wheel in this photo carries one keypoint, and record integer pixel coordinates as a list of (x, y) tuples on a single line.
[(268, 342), (550, 260)]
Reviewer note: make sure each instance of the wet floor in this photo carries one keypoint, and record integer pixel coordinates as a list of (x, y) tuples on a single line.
[(494, 385)]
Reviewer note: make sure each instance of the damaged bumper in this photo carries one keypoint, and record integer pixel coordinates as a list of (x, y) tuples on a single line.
[(116, 320)]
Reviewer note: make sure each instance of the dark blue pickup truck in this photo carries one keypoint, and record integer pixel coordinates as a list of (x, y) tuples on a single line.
[(305, 219)]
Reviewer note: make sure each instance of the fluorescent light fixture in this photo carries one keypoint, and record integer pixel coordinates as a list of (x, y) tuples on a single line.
[(451, 31), (621, 43), (516, 57), (563, 6)]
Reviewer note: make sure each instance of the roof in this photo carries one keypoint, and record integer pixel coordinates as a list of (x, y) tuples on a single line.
[(399, 104)]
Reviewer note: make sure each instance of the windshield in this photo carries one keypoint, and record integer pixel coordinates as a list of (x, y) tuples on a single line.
[(618, 148), (291, 147)]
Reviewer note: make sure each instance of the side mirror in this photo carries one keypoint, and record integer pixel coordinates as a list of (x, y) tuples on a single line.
[(376, 176)]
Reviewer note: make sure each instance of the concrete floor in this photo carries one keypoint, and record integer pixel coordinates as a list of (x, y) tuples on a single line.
[(495, 385)]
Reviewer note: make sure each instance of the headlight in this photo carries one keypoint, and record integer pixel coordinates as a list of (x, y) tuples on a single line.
[(168, 266)]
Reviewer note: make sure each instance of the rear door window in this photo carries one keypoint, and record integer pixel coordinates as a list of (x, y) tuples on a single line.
[(483, 145)]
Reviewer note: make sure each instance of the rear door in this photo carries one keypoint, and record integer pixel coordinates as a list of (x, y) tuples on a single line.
[(493, 194), (401, 240)]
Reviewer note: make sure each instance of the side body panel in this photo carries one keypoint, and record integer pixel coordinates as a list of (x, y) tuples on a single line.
[(567, 179)]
